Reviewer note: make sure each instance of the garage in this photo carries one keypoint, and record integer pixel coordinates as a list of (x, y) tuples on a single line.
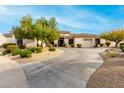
[(87, 43)]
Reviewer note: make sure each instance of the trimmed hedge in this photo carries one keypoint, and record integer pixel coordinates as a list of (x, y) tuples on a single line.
[(16, 52), (72, 45), (6, 52), (101, 45), (121, 44), (36, 49), (52, 49), (22, 46), (50, 45), (12, 47), (55, 45), (33, 49), (122, 48), (79, 45), (25, 54), (107, 44), (5, 45), (39, 49)]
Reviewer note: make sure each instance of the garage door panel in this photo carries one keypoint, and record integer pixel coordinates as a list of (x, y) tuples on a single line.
[(87, 43)]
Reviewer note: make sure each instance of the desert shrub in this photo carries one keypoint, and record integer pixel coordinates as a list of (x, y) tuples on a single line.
[(36, 49), (121, 44), (122, 48), (50, 45), (16, 52), (79, 45), (6, 52), (55, 45), (25, 54), (96, 45), (64, 45), (22, 46), (72, 45), (107, 44), (101, 45), (33, 49), (52, 49), (12, 47), (39, 49), (5, 45), (112, 54)]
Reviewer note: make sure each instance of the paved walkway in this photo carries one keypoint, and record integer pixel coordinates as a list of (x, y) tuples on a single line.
[(72, 69), (11, 74)]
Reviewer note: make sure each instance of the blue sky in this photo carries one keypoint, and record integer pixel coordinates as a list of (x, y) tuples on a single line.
[(76, 19)]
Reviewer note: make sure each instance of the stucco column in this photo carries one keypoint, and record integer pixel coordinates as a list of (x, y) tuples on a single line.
[(56, 42), (66, 41)]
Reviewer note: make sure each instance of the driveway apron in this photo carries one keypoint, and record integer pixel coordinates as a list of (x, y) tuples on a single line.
[(70, 70)]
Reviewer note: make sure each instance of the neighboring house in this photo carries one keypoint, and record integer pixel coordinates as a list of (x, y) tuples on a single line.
[(2, 39), (86, 40), (10, 38)]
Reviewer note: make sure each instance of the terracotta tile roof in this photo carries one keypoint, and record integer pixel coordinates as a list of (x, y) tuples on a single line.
[(8, 35), (64, 32), (84, 35)]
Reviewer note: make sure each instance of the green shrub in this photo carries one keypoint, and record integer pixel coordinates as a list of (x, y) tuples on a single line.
[(50, 45), (52, 49), (79, 45), (5, 45), (12, 47), (101, 45), (22, 46), (25, 54), (39, 49), (6, 52), (55, 45), (16, 52), (121, 44), (107, 44), (36, 49), (64, 45), (122, 48), (112, 54), (33, 49), (72, 45)]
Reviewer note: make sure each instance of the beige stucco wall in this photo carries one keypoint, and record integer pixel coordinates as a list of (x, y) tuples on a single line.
[(66, 41), (81, 41), (32, 43), (2, 39), (10, 39), (78, 41), (103, 42)]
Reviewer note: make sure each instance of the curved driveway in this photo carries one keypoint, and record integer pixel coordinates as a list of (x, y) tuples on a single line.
[(72, 69)]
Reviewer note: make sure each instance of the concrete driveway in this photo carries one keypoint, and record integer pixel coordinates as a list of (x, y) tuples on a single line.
[(70, 70)]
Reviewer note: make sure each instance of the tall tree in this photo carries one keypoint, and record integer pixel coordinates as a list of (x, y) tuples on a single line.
[(17, 32), (27, 27), (43, 29), (53, 31), (115, 35)]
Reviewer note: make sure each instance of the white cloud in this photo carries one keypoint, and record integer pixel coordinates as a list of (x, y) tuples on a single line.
[(5, 10)]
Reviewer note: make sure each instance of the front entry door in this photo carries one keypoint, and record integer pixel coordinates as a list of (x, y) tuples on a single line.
[(61, 42)]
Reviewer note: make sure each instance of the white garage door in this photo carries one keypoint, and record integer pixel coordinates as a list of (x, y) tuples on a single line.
[(87, 42)]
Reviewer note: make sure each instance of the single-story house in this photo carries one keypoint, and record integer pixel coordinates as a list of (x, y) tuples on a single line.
[(86, 40), (66, 38)]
